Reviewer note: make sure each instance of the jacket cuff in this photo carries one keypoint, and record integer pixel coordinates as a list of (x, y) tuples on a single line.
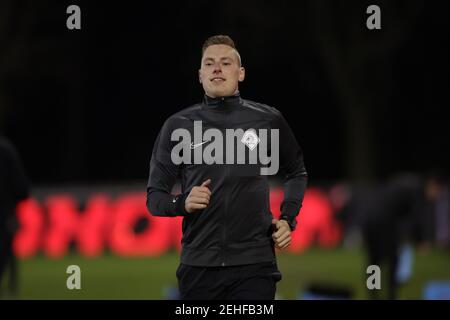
[(292, 221), (179, 201)]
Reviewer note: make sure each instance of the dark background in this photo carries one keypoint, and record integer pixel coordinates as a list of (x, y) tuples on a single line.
[(85, 106)]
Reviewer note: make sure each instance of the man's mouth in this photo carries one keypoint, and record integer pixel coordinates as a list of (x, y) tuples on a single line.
[(217, 79)]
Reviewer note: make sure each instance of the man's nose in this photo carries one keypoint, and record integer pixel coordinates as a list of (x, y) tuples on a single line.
[(217, 68)]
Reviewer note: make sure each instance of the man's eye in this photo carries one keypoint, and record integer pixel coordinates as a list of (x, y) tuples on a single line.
[(226, 63), (208, 64)]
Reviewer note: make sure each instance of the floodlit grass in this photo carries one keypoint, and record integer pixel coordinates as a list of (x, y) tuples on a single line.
[(112, 277)]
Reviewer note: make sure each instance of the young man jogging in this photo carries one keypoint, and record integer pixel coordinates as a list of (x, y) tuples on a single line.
[(223, 149)]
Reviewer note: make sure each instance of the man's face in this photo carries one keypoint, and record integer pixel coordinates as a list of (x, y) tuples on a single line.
[(220, 71)]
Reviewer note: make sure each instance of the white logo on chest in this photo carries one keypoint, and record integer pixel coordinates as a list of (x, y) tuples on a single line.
[(250, 139)]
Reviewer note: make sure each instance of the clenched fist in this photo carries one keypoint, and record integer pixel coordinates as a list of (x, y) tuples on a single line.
[(198, 198), (282, 235)]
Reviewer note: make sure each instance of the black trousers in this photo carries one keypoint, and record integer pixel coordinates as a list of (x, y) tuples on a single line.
[(245, 282)]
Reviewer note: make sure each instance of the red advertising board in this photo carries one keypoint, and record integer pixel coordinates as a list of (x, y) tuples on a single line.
[(53, 224)]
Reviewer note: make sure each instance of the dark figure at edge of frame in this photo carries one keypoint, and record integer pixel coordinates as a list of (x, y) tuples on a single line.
[(14, 187)]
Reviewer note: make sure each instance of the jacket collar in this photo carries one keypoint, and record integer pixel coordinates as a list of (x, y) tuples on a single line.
[(222, 101)]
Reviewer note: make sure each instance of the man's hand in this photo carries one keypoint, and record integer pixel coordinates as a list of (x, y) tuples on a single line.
[(198, 198), (282, 236)]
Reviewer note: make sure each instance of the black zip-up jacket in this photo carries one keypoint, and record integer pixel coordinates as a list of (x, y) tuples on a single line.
[(236, 227)]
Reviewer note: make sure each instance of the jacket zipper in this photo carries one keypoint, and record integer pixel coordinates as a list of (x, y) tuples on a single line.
[(224, 226), (224, 220)]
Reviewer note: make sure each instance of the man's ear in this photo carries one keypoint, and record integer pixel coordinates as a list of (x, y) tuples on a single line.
[(199, 76), (241, 74)]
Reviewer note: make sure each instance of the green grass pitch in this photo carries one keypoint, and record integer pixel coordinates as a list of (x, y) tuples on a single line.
[(113, 277)]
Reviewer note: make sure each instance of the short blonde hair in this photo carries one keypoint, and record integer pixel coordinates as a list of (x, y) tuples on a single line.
[(221, 39)]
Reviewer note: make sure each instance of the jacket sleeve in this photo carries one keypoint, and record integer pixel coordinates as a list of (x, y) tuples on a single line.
[(162, 178), (293, 168)]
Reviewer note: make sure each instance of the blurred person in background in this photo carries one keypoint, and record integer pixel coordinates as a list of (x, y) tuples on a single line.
[(14, 187), (394, 216), (432, 227)]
